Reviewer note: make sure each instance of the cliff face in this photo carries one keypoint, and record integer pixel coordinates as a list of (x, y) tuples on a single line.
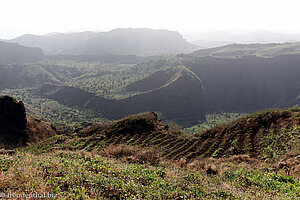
[(12, 122)]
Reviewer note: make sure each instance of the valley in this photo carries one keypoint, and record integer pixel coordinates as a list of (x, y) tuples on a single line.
[(178, 86), (144, 114)]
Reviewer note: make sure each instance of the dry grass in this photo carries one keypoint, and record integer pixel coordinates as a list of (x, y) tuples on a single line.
[(39, 131), (291, 167), (76, 174), (182, 162), (132, 154), (96, 129), (294, 166), (216, 165), (22, 176)]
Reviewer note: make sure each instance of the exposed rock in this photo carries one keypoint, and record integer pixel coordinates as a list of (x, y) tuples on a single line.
[(16, 130), (13, 122)]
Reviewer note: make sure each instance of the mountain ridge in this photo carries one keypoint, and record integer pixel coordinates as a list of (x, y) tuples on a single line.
[(142, 42), (13, 52), (173, 99)]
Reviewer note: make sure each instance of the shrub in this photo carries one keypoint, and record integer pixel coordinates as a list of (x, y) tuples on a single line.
[(174, 128)]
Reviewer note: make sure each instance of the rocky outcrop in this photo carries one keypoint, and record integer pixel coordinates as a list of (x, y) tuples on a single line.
[(12, 122), (16, 130)]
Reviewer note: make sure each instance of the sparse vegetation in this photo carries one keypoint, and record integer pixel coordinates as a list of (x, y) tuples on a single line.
[(137, 157), (82, 175)]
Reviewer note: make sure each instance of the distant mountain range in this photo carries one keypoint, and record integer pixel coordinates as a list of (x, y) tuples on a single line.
[(142, 42), (220, 38), (15, 53)]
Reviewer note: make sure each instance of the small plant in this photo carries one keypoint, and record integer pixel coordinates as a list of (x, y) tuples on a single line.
[(5, 164), (215, 153)]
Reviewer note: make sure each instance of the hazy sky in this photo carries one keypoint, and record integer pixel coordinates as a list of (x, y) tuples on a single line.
[(18, 17)]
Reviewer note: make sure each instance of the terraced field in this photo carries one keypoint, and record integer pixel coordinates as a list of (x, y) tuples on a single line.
[(267, 134)]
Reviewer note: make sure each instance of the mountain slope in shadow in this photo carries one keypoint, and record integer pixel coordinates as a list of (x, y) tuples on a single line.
[(180, 99)]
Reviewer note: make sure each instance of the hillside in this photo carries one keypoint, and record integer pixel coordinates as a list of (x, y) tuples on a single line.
[(180, 98), (242, 50), (248, 84), (240, 84), (21, 75), (139, 157), (271, 135), (65, 94), (12, 53), (144, 42), (157, 79)]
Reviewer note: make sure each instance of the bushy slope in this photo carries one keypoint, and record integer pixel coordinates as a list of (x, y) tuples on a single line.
[(162, 78), (180, 98), (65, 94), (33, 75), (154, 81), (266, 134)]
